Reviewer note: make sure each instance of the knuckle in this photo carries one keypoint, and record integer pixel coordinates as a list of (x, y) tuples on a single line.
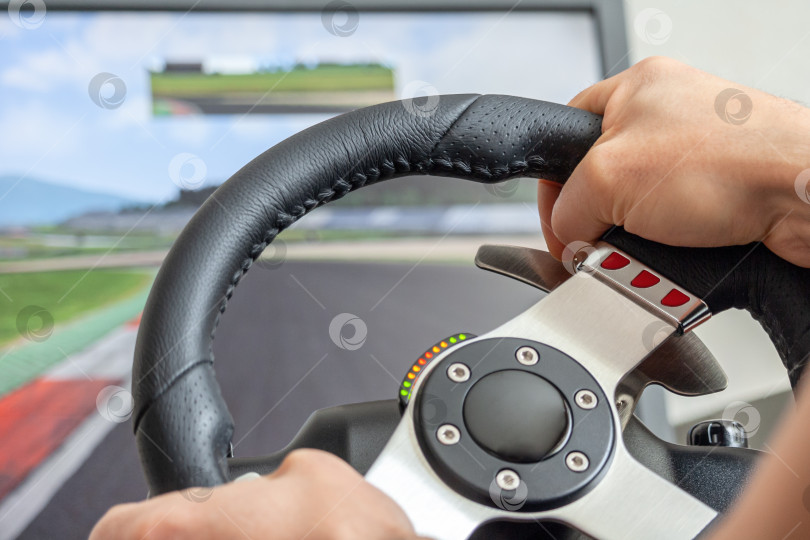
[(600, 169), (117, 513), (632, 223), (655, 68), (657, 64), (112, 524), (369, 527), (343, 529), (297, 459), (309, 460), (179, 523)]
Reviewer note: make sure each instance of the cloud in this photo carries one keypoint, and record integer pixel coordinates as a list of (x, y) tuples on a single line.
[(8, 30), (31, 132), (191, 131), (43, 71), (135, 111)]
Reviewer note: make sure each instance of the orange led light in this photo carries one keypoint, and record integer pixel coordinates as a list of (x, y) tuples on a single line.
[(436, 349), (422, 361), (444, 344), (428, 355), (411, 375)]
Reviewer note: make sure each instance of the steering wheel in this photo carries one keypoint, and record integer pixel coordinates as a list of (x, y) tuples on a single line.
[(520, 424)]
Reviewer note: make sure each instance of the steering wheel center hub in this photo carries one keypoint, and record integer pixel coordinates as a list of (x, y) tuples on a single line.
[(516, 419), (516, 416)]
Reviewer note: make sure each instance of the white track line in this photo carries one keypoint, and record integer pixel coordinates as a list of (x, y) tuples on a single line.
[(110, 357)]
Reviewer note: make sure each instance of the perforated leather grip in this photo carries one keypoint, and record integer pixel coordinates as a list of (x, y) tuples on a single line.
[(183, 427)]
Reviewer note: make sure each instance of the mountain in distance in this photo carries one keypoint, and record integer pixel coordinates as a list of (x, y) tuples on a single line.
[(36, 202)]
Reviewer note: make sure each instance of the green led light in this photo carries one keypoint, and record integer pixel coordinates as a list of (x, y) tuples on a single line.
[(406, 384), (462, 337), (403, 392), (452, 340)]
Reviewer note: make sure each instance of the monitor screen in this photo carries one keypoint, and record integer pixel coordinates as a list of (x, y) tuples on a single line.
[(115, 126), (125, 121)]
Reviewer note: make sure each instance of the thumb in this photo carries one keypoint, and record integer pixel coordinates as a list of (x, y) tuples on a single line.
[(582, 212), (583, 209), (595, 98), (547, 193)]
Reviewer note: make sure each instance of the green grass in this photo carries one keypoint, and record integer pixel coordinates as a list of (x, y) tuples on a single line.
[(33, 247), (321, 79), (45, 289)]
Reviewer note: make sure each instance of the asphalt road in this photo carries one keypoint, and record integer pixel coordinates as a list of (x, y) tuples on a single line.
[(276, 362)]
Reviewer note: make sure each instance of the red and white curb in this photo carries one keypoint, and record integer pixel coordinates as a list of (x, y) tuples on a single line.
[(49, 426)]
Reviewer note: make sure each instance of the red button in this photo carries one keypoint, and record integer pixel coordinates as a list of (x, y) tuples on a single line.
[(614, 261), (645, 279), (675, 298)]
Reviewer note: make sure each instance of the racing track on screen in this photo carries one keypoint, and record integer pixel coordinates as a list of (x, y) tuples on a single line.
[(276, 361)]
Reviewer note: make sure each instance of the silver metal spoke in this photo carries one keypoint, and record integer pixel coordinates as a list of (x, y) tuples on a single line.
[(435, 510), (633, 502), (602, 329), (629, 502)]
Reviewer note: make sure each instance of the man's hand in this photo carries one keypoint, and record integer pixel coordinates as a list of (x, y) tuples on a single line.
[(669, 168), (313, 495)]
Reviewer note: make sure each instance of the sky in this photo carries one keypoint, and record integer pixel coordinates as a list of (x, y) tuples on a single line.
[(51, 129)]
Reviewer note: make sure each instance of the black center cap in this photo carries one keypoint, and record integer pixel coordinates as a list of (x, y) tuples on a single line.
[(516, 415)]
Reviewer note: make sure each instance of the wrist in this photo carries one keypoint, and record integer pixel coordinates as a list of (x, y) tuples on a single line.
[(784, 152)]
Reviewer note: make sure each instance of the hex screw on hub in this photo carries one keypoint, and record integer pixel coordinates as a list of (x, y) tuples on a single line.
[(448, 434), (527, 356), (577, 461), (458, 372), (585, 399), (507, 479)]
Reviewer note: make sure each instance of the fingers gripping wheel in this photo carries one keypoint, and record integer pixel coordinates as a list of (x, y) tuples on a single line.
[(183, 427)]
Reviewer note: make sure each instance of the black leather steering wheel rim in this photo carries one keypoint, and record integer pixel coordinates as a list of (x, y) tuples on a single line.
[(182, 424)]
